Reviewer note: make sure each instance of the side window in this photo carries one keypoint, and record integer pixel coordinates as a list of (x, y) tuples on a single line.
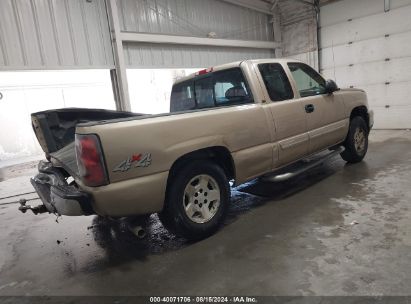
[(230, 88), (182, 97), (308, 81), (204, 92), (276, 81)]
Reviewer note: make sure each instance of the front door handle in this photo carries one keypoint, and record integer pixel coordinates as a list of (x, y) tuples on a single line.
[(309, 108)]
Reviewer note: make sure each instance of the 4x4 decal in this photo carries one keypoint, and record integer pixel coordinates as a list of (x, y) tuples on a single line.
[(136, 160)]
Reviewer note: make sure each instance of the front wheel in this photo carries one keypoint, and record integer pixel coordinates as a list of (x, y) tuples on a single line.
[(197, 200), (356, 144)]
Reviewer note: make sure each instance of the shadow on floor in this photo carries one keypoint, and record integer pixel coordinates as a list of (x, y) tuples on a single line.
[(121, 246)]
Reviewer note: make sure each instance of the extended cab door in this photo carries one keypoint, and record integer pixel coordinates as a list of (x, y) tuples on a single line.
[(290, 135), (325, 112)]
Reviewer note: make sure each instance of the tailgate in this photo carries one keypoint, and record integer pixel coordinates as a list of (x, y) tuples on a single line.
[(66, 157), (56, 129)]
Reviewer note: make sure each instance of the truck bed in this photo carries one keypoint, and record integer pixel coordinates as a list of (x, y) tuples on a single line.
[(55, 131)]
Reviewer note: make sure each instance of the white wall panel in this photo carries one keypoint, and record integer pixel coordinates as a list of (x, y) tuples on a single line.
[(54, 34), (376, 72), (363, 46), (383, 95), (392, 22), (392, 118), (341, 11), (392, 47)]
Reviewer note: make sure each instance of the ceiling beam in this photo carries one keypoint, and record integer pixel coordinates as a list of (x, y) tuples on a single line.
[(256, 5), (187, 40), (325, 2), (309, 3)]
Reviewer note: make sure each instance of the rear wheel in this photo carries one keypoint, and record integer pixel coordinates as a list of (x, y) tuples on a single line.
[(197, 200), (356, 144)]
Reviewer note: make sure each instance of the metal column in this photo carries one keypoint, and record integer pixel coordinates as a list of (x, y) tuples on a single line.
[(119, 74), (276, 21)]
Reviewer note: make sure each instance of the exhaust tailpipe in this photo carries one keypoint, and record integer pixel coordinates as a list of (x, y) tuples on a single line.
[(138, 231)]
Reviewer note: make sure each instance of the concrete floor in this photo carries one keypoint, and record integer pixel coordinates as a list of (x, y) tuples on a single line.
[(338, 230)]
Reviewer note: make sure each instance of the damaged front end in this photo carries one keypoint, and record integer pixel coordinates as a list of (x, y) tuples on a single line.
[(57, 195)]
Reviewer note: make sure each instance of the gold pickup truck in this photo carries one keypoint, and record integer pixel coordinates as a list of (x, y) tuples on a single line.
[(227, 125)]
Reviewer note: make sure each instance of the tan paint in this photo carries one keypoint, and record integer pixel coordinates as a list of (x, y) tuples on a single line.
[(261, 137), (134, 196)]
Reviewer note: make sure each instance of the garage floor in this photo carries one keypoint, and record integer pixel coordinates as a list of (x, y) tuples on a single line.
[(338, 230)]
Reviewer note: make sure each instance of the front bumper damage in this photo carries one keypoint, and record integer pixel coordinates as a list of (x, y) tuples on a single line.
[(57, 195)]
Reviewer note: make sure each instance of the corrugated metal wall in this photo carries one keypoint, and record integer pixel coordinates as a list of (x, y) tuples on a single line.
[(191, 18), (365, 47), (54, 34), (299, 31), (194, 18), (179, 56), (66, 34)]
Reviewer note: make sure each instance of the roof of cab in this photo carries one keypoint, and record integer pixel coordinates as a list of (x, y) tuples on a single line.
[(237, 64)]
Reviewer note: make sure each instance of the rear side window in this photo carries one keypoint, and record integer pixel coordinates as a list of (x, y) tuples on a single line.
[(182, 97), (230, 88), (308, 81), (276, 81)]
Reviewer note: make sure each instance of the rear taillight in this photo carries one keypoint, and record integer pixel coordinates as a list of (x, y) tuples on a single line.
[(90, 160)]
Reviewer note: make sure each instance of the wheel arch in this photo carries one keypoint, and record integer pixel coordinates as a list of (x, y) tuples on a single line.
[(217, 154), (172, 214), (361, 111)]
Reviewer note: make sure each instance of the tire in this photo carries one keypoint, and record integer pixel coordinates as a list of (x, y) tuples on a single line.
[(197, 200), (356, 143)]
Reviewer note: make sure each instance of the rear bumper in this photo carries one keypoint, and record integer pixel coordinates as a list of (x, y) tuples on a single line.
[(57, 196), (143, 195)]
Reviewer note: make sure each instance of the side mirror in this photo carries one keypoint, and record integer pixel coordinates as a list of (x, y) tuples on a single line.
[(331, 86)]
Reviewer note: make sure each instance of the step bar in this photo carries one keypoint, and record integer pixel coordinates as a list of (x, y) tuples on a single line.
[(276, 177)]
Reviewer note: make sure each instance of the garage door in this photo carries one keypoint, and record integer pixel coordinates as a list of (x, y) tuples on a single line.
[(367, 44)]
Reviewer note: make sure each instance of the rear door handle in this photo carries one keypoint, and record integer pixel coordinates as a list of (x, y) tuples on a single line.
[(309, 108)]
